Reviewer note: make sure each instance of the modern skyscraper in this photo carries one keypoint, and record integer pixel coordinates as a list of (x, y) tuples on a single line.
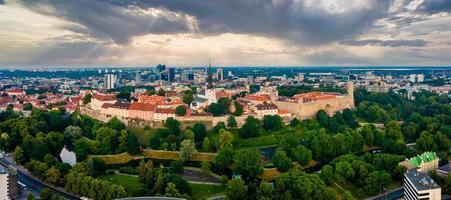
[(161, 68), (138, 78), (220, 73), (171, 74), (110, 81)]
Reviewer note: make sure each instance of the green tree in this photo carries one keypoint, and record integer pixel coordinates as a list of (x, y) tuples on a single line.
[(52, 176), (199, 132), (238, 109), (116, 124), (376, 181), (98, 165), (146, 173), (27, 106), (161, 92), (187, 150), (132, 144), (225, 138), (344, 171), (327, 173), (224, 158), (55, 142), (426, 142), (367, 132), (272, 122), (188, 98), (251, 128), (81, 150), (249, 163), (173, 125), (231, 122), (72, 133), (206, 144), (87, 99), (219, 126), (265, 191), (180, 110), (294, 122), (302, 155), (281, 161), (187, 134), (236, 190), (19, 156)]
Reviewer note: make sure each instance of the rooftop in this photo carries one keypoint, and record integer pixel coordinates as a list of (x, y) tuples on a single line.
[(425, 157), (445, 168), (420, 180)]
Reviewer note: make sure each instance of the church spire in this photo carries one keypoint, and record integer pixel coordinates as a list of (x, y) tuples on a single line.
[(209, 76)]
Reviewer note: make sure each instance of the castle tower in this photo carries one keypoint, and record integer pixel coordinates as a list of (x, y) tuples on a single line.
[(351, 93)]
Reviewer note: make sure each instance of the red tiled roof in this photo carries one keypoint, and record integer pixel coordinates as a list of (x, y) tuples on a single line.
[(106, 105), (266, 106), (165, 110), (102, 97), (142, 106), (261, 97)]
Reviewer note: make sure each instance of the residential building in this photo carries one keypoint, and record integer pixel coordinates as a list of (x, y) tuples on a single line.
[(425, 162), (8, 183), (98, 100), (220, 73), (266, 109), (418, 185)]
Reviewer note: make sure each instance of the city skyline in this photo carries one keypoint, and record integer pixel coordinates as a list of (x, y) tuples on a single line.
[(230, 33)]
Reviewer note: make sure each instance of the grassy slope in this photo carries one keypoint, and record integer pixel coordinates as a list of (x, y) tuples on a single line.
[(200, 191), (130, 183)]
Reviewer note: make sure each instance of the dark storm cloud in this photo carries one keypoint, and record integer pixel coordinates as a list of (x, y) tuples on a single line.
[(386, 43), (435, 6), (2, 2), (287, 19), (103, 19)]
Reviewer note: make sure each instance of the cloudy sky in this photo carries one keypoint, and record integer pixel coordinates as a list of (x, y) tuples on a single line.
[(229, 32)]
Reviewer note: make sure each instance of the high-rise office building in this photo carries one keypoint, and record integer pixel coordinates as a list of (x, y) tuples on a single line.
[(220, 73), (300, 77), (8, 183), (110, 81), (138, 78), (161, 68), (418, 185), (171, 74)]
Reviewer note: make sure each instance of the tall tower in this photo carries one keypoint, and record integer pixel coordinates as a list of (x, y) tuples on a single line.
[(110, 81), (220, 73), (209, 76), (351, 93)]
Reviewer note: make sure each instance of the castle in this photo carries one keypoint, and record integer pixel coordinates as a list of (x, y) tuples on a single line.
[(305, 106)]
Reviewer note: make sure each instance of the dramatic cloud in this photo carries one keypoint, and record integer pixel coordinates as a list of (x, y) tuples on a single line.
[(119, 24), (309, 21), (435, 6), (389, 43), (230, 32)]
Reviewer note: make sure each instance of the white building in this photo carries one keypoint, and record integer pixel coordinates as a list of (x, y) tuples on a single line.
[(110, 81), (8, 183), (416, 78), (418, 185), (300, 77), (266, 109)]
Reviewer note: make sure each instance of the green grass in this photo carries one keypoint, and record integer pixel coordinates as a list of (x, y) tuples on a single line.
[(130, 183), (201, 191)]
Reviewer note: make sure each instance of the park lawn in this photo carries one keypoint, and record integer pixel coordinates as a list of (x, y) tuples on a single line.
[(202, 191), (142, 134), (130, 183)]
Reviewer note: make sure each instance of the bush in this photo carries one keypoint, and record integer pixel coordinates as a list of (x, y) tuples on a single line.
[(129, 170), (176, 167)]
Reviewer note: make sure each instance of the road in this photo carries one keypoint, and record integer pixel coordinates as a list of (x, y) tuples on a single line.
[(34, 185), (390, 195)]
